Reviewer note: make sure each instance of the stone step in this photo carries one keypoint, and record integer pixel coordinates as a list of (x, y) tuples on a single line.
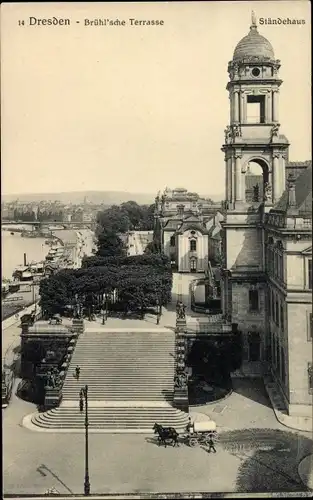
[(123, 396), (111, 418)]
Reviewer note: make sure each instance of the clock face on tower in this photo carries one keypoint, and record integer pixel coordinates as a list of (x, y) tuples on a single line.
[(256, 72)]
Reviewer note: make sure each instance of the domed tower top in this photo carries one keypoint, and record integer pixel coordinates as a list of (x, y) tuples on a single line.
[(253, 45)]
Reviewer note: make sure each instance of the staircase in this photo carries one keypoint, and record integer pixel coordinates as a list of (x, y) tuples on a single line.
[(130, 378)]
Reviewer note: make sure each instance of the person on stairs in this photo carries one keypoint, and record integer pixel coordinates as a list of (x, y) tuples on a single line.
[(77, 372)]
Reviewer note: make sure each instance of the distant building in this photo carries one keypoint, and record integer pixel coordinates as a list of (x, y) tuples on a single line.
[(188, 228)]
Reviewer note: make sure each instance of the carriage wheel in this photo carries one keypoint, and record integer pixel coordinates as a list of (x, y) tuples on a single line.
[(193, 442)]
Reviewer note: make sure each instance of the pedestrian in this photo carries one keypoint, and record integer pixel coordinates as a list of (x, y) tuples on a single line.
[(211, 445), (189, 425), (77, 372)]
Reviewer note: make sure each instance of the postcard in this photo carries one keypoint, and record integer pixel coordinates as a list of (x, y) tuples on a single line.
[(156, 226)]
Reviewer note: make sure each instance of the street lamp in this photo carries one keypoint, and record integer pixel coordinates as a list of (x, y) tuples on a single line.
[(158, 310), (84, 395)]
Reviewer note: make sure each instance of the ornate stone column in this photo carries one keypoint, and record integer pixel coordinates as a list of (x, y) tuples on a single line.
[(275, 105), (268, 108), (242, 107), (283, 171), (228, 179), (275, 176), (236, 105), (238, 177), (270, 182)]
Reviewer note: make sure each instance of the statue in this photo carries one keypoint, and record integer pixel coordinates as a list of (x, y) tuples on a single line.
[(256, 193), (236, 69), (253, 18), (236, 131), (275, 130), (181, 380), (267, 192), (53, 378), (180, 310), (228, 134)]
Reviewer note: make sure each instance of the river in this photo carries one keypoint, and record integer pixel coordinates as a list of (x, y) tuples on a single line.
[(14, 247)]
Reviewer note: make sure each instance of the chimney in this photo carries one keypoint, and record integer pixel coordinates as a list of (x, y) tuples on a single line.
[(25, 262), (291, 191)]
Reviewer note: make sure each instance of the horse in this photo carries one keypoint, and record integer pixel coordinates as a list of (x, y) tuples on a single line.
[(166, 434)]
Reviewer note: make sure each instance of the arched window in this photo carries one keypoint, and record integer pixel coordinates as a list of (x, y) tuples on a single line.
[(193, 245)]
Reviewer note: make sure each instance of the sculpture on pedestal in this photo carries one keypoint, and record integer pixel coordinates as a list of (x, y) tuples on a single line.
[(53, 378), (228, 134), (181, 380), (236, 130), (180, 310), (275, 130)]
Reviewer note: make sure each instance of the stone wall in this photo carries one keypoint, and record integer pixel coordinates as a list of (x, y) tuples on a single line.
[(244, 249), (300, 352), (249, 321)]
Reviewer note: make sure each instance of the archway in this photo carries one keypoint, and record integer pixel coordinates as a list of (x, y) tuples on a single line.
[(256, 180)]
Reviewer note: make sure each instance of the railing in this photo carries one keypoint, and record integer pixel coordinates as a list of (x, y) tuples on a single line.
[(209, 328)]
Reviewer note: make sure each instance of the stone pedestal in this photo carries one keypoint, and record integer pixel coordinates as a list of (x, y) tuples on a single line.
[(181, 399), (181, 325), (53, 397), (180, 393), (78, 325)]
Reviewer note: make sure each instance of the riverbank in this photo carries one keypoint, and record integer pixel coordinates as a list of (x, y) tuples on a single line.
[(27, 298)]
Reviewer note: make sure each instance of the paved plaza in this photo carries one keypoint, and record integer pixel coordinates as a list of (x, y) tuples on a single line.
[(263, 458), (260, 454)]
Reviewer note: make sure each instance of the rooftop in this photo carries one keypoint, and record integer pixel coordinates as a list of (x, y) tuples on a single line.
[(253, 45)]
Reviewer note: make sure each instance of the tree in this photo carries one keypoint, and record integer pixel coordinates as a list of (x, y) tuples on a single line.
[(113, 219), (109, 244), (153, 247)]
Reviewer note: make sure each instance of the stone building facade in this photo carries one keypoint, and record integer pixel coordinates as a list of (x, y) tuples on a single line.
[(188, 228), (266, 237)]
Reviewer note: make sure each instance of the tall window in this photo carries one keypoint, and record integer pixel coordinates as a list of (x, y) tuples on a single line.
[(282, 323), (255, 109), (310, 273), (273, 306), (283, 368), (276, 313), (193, 265), (172, 241), (277, 356), (310, 377), (253, 300), (193, 245), (310, 336)]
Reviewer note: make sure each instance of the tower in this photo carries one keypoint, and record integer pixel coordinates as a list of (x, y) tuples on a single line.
[(252, 140), (253, 133)]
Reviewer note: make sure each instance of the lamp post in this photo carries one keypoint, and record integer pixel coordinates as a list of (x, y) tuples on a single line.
[(84, 395), (158, 310)]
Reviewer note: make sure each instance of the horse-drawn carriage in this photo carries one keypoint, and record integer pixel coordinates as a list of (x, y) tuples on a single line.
[(200, 433), (197, 433)]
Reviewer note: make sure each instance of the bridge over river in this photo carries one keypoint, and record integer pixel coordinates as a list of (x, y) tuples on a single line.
[(37, 225)]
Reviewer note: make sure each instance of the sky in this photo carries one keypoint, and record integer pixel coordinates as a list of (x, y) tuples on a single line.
[(136, 108)]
